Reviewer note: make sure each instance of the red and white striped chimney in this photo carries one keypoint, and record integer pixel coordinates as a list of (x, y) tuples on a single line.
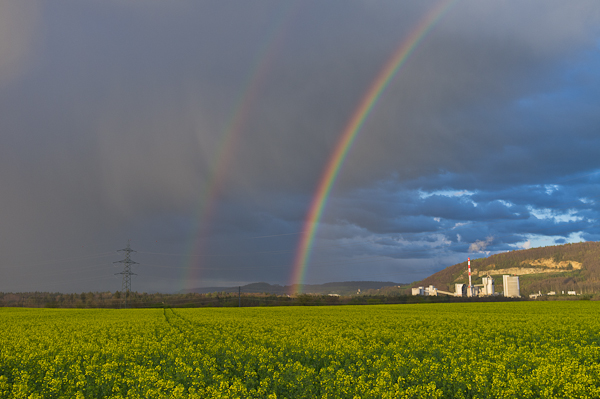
[(470, 292)]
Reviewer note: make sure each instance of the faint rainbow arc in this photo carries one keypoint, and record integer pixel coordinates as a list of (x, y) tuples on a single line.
[(226, 148), (214, 184), (348, 136)]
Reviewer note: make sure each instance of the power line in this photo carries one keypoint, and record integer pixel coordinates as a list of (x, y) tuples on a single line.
[(62, 282), (100, 255), (364, 259), (63, 271), (276, 235), (282, 251)]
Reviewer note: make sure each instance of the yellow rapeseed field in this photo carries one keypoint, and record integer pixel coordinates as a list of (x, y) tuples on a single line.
[(468, 350)]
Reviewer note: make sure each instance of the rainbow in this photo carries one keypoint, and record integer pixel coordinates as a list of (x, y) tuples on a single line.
[(348, 136), (216, 177), (229, 139)]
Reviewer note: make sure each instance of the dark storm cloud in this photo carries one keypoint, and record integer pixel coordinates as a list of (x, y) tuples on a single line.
[(113, 114)]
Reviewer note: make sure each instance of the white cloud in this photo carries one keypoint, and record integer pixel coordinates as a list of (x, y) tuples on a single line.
[(479, 246), (459, 224), (550, 188), (446, 193), (568, 216)]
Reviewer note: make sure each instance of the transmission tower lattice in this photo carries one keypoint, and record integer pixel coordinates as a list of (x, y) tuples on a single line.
[(126, 286)]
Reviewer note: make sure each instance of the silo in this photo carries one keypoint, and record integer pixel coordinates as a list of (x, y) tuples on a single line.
[(460, 290), (432, 291), (488, 285)]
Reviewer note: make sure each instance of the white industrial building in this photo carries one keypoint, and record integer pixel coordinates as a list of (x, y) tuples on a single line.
[(460, 289), (427, 291), (485, 289), (488, 285), (510, 285)]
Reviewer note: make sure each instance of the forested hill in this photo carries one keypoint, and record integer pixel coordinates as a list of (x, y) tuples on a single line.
[(556, 268)]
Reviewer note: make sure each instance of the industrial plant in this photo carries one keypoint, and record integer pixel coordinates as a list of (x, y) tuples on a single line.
[(510, 286)]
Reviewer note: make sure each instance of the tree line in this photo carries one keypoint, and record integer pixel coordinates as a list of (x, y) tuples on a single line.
[(115, 300)]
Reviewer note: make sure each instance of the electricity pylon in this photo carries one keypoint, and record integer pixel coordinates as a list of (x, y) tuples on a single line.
[(126, 286)]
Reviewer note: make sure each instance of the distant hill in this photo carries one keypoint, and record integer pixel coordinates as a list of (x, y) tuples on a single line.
[(342, 288), (556, 268)]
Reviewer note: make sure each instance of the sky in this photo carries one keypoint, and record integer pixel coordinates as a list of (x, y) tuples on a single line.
[(199, 132)]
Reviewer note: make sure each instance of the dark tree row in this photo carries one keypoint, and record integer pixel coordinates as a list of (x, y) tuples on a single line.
[(144, 300)]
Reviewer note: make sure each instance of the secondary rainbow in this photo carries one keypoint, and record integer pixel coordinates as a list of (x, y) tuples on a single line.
[(348, 136), (228, 143)]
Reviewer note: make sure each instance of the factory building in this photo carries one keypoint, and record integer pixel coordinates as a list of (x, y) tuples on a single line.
[(487, 288), (488, 285), (431, 290), (460, 289), (535, 296), (510, 284), (426, 291)]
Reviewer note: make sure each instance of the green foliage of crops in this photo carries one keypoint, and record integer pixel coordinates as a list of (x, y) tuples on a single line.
[(470, 350)]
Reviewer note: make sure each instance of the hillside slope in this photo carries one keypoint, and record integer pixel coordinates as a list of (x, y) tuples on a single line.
[(556, 268)]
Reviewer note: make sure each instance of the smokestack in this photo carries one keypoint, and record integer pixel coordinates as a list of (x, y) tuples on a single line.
[(470, 292)]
